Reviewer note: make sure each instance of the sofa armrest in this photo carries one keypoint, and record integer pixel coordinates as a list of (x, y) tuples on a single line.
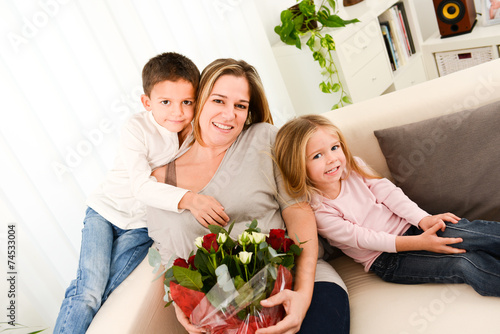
[(137, 306)]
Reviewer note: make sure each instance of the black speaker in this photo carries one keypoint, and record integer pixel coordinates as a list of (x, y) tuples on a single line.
[(455, 17)]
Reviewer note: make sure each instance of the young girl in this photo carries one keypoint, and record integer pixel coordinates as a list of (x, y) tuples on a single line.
[(374, 222)]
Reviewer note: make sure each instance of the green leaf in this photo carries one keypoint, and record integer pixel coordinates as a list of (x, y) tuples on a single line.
[(286, 16), (327, 42), (307, 8), (216, 229), (253, 224), (188, 278), (276, 260), (346, 22), (296, 249), (347, 99), (231, 227), (335, 87), (319, 58), (332, 4), (325, 10), (333, 21), (288, 262), (203, 263), (310, 42), (298, 43), (154, 259), (298, 21), (324, 87), (323, 16)]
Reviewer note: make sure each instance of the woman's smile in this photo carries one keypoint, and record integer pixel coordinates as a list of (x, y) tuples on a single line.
[(222, 126)]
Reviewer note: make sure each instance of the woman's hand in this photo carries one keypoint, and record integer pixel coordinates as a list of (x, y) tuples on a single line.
[(294, 303), (184, 321), (206, 209), (429, 221)]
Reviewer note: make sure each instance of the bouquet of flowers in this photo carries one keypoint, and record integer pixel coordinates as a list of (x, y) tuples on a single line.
[(220, 286)]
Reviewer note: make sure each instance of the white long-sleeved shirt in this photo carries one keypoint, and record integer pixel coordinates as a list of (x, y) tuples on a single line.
[(365, 218), (129, 186)]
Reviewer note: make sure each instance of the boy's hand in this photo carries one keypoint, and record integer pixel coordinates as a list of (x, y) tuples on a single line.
[(206, 209), (430, 221)]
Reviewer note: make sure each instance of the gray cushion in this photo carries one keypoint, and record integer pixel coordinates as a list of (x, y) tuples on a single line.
[(449, 163)]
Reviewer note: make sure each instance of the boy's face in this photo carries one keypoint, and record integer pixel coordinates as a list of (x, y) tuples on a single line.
[(172, 104)]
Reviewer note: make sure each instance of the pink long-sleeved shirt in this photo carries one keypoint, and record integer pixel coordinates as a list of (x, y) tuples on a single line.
[(365, 218)]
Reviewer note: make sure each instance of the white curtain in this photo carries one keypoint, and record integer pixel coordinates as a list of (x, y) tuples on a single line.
[(70, 74)]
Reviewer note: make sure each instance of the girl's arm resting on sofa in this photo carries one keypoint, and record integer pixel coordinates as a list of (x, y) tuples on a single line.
[(428, 241)]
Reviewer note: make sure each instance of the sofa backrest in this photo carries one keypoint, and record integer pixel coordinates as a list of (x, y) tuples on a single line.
[(466, 89)]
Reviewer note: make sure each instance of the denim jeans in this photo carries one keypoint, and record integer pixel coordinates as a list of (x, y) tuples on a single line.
[(479, 266), (328, 312), (108, 255)]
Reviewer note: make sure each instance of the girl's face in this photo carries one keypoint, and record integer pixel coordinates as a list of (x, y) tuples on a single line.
[(325, 162), (224, 114)]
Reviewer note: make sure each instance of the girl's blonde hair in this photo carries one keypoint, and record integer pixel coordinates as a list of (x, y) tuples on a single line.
[(258, 110), (290, 153)]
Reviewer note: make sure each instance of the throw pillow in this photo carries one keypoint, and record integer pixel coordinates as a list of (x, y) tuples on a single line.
[(449, 163)]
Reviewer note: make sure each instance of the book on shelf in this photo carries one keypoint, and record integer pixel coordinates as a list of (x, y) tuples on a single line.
[(395, 28), (389, 45), (406, 27)]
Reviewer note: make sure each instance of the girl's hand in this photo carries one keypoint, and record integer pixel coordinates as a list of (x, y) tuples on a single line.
[(429, 221), (293, 302), (432, 242), (184, 321)]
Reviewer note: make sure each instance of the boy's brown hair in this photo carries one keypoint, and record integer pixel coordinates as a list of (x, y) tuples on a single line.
[(169, 66)]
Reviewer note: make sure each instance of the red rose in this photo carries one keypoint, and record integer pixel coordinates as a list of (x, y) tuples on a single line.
[(191, 262), (181, 263), (286, 245), (210, 241), (276, 238)]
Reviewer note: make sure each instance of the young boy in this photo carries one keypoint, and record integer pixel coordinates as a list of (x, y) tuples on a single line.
[(115, 238)]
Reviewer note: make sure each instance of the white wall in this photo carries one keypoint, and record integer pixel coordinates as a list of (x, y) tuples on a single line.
[(69, 77)]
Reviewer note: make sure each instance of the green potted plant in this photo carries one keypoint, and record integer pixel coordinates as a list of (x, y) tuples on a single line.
[(304, 19)]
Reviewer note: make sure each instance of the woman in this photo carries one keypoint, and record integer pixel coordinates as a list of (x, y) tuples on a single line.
[(231, 160)]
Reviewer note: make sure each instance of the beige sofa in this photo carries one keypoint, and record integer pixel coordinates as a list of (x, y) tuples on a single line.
[(376, 306)]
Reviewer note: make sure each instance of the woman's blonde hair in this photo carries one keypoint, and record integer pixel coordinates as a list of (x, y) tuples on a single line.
[(290, 153), (258, 110)]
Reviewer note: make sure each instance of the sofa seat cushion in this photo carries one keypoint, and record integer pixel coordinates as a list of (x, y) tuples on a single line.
[(449, 163), (381, 307)]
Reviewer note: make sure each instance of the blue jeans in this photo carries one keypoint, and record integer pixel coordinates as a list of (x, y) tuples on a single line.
[(328, 312), (108, 255), (479, 266)]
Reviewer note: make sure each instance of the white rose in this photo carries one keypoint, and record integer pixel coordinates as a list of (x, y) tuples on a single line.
[(257, 238), (244, 238), (199, 242), (221, 238), (245, 257)]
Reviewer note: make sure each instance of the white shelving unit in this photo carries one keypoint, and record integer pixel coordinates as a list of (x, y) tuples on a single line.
[(361, 56), (480, 37)]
